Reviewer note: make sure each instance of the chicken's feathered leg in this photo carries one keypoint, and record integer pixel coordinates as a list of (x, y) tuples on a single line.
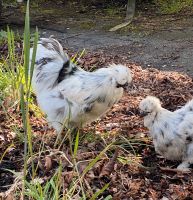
[(188, 159)]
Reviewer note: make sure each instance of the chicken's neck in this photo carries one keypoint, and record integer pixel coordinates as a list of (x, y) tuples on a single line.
[(151, 118)]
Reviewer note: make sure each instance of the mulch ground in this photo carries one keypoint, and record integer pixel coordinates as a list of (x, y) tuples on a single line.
[(139, 176)]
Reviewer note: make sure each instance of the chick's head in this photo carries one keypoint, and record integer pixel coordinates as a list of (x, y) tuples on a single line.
[(122, 75), (148, 105)]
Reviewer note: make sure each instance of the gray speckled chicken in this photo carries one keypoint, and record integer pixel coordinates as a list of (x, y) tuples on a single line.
[(69, 95), (172, 132)]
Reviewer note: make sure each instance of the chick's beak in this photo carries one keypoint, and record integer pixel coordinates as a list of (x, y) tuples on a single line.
[(125, 86), (143, 113)]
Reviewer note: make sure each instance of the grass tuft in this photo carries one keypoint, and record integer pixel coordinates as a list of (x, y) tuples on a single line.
[(172, 7)]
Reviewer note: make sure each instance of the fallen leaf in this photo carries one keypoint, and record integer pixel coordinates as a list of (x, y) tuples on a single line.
[(48, 163), (109, 167)]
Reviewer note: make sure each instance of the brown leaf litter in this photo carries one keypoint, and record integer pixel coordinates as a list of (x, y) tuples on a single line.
[(130, 177)]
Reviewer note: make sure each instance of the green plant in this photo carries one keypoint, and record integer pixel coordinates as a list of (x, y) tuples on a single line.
[(3, 35), (50, 190), (11, 71), (25, 94), (173, 6)]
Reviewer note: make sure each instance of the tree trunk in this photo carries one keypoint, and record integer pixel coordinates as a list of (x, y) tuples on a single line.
[(1, 8), (130, 9), (129, 15)]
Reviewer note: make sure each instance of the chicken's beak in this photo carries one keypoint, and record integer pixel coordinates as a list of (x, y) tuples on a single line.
[(143, 113), (125, 86)]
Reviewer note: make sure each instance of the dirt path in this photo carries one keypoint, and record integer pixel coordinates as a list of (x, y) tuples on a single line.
[(165, 50), (152, 40)]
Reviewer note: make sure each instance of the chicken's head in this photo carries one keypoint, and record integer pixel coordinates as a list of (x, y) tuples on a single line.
[(122, 75), (149, 105)]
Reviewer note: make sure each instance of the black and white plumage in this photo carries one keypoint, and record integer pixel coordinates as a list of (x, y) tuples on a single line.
[(66, 92), (172, 132)]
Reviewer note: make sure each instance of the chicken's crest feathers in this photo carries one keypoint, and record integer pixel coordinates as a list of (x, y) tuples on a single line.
[(186, 127), (120, 73), (150, 104)]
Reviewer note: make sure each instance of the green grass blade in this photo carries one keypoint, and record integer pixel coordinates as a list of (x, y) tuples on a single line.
[(4, 153), (26, 44), (22, 104), (23, 111), (36, 37), (81, 54), (92, 163), (99, 192), (76, 144), (108, 197), (74, 58)]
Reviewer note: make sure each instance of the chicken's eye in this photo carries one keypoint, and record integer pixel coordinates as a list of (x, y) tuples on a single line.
[(189, 139)]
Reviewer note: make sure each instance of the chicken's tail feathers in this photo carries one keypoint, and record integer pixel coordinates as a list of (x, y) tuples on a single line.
[(52, 64), (51, 46)]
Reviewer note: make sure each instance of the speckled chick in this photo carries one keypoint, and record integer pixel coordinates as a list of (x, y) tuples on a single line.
[(168, 130)]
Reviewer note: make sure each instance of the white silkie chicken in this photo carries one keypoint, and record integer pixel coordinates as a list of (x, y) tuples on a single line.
[(68, 94), (172, 132)]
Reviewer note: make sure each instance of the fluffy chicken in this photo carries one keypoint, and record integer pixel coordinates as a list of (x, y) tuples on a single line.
[(172, 132), (69, 95)]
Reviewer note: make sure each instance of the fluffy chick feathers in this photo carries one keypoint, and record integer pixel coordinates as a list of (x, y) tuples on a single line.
[(67, 93), (168, 130)]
